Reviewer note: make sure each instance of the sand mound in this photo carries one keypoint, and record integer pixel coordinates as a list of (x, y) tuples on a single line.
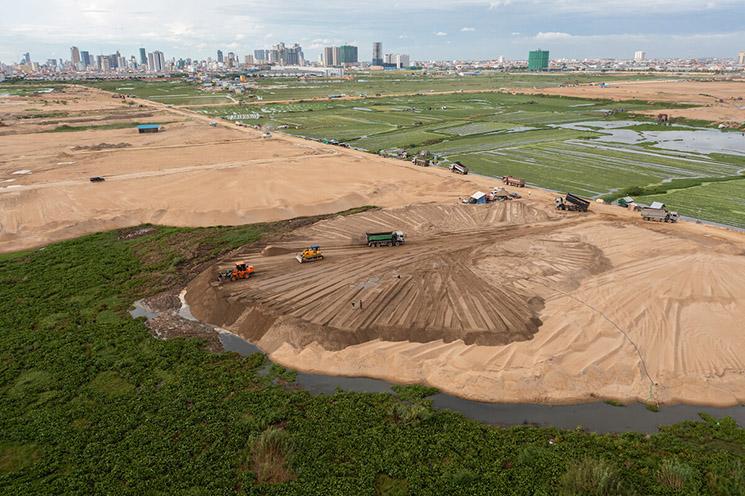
[(504, 303), (444, 284)]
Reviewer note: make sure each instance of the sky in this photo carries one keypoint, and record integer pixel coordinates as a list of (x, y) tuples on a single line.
[(424, 29)]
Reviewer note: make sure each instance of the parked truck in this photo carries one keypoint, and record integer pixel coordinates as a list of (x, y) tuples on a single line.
[(658, 212), (458, 168), (513, 181), (388, 238), (572, 202)]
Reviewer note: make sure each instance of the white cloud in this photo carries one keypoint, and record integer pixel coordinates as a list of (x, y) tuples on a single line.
[(552, 36), (441, 33), (495, 4), (467, 30)]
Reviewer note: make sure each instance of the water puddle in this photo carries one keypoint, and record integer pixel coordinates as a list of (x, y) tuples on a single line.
[(679, 138)]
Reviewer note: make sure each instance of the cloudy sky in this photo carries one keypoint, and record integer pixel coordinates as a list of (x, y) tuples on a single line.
[(425, 29)]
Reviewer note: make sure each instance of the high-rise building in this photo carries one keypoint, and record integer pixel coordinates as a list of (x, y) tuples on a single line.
[(159, 60), (219, 56), (249, 60), (85, 58), (396, 60), (284, 55), (377, 53), (260, 55), (74, 56), (640, 56), (538, 60), (26, 60), (741, 58), (150, 62), (143, 56), (347, 55), (328, 57), (336, 55)]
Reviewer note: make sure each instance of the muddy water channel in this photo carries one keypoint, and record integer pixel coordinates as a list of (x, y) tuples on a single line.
[(596, 417)]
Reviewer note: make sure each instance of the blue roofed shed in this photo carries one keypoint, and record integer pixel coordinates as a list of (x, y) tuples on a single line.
[(148, 128)]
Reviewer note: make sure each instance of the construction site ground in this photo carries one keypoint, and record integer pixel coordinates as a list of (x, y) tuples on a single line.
[(505, 302)]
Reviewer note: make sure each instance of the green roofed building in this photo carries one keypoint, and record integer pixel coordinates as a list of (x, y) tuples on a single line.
[(347, 54), (538, 60)]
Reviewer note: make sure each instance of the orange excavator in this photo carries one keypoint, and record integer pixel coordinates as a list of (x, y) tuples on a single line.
[(240, 271)]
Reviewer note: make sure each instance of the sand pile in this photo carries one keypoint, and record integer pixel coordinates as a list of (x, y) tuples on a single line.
[(503, 303)]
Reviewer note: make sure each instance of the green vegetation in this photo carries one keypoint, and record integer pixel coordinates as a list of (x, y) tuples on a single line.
[(91, 403), (410, 82), (592, 477), (722, 202), (168, 91), (465, 118), (672, 185)]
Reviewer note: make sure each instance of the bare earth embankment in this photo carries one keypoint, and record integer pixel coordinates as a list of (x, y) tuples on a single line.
[(506, 302), (718, 101)]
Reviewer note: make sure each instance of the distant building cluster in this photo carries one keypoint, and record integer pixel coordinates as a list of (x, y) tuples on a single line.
[(341, 56), (284, 59)]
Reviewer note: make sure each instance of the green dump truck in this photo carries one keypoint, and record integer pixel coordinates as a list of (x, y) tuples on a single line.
[(388, 238)]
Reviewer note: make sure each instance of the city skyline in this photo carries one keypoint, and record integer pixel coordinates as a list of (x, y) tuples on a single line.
[(456, 29)]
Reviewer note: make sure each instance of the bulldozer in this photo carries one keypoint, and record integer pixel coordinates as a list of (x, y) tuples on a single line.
[(240, 271), (310, 254)]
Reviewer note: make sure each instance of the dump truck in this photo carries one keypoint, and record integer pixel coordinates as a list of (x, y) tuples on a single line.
[(241, 270), (423, 159), (498, 194), (572, 202), (388, 238), (458, 168), (513, 181), (658, 212), (310, 254)]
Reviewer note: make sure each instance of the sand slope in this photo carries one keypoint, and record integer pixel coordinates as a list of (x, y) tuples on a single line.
[(626, 310)]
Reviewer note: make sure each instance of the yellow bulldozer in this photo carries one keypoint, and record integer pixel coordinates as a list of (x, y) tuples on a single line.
[(310, 254)]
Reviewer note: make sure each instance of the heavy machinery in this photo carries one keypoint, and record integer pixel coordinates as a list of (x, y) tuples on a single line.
[(240, 271), (388, 238), (572, 202), (658, 212), (310, 254), (423, 159), (513, 181), (458, 168)]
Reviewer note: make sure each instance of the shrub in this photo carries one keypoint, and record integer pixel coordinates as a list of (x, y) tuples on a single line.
[(269, 455), (592, 477), (677, 475)]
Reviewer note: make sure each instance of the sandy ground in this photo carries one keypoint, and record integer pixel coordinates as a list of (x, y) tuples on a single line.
[(719, 101), (189, 175), (506, 303)]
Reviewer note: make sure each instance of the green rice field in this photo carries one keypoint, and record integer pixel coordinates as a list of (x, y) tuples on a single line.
[(558, 143)]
